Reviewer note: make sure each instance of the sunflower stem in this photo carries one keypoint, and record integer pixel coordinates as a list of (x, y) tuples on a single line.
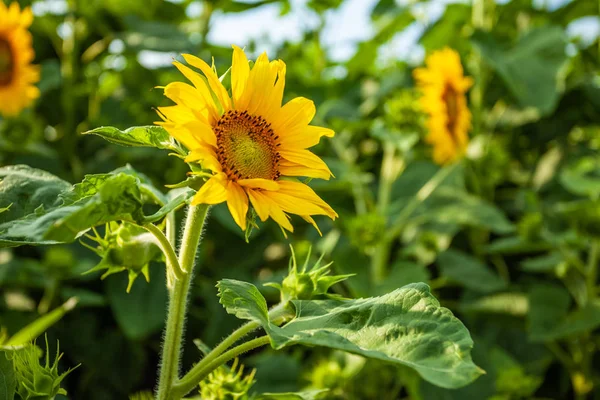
[(171, 351), (277, 315), (422, 195), (390, 167), (187, 383), (173, 266)]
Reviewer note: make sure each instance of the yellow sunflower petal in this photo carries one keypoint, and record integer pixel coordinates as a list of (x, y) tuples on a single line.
[(259, 183), (302, 191), (307, 159), (287, 168), (305, 137), (294, 204), (202, 88), (212, 192), (17, 77), (296, 112), (206, 157), (275, 211), (182, 93), (261, 207), (311, 221), (213, 80), (237, 202), (240, 69)]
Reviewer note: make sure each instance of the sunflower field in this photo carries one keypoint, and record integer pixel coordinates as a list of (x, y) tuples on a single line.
[(299, 199)]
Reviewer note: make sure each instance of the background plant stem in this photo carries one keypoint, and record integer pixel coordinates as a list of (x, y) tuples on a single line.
[(169, 368)]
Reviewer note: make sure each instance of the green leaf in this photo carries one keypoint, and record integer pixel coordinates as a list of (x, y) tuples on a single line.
[(117, 198), (141, 312), (469, 272), (530, 67), (582, 177), (175, 199), (514, 304), (8, 381), (545, 263), (40, 325), (402, 273), (243, 300), (307, 395), (138, 136), (449, 205), (26, 190), (406, 327), (548, 305)]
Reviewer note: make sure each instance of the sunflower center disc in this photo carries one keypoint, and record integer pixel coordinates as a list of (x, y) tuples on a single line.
[(450, 98), (247, 146), (6, 63)]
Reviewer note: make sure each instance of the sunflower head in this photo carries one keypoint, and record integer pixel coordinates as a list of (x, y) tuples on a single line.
[(17, 75), (252, 146), (443, 86)]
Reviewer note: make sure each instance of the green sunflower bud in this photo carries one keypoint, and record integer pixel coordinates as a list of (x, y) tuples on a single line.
[(366, 230), (227, 384), (305, 283), (125, 247), (34, 380)]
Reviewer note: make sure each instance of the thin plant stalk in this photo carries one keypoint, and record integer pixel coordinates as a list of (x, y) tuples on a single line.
[(171, 350)]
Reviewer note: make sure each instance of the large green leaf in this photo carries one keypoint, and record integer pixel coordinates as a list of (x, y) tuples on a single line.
[(137, 136), (406, 327), (469, 272), (530, 67), (46, 210), (27, 189), (118, 198)]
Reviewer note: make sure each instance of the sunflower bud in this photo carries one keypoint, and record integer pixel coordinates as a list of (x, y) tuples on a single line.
[(125, 247), (227, 384), (306, 284), (366, 230), (34, 380)]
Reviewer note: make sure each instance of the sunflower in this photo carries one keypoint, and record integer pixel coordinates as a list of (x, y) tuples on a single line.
[(443, 86), (251, 144), (17, 75)]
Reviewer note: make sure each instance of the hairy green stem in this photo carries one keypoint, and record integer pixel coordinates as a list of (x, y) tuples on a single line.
[(167, 249), (187, 383), (277, 315), (169, 369)]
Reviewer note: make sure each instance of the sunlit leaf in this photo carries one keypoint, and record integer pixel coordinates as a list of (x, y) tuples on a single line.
[(137, 136), (407, 327), (40, 325), (530, 67)]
